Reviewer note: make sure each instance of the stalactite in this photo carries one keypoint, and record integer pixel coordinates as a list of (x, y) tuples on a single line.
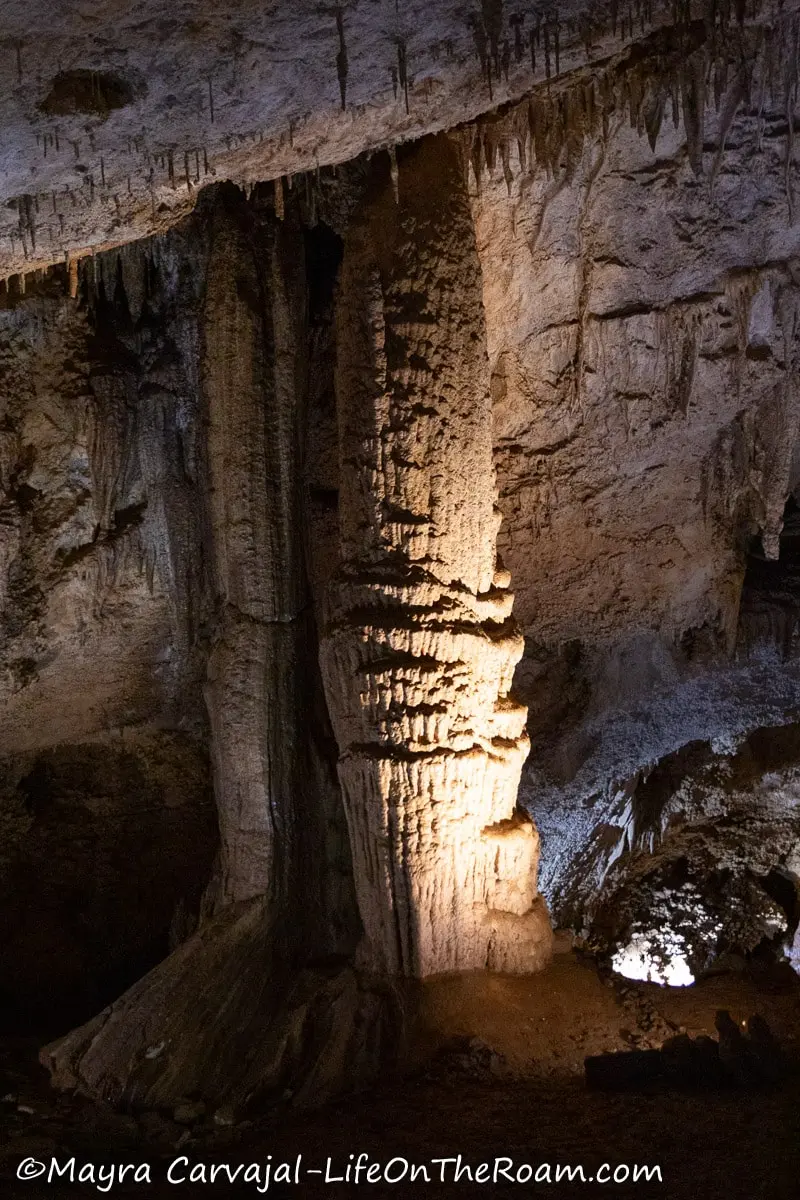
[(653, 117), (133, 267), (476, 155), (341, 59), (736, 96), (517, 21), (790, 103), (395, 174), (679, 72), (693, 97), (402, 68), (492, 13), (481, 45), (505, 153)]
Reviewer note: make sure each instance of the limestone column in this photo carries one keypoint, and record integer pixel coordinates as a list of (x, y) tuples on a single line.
[(419, 655), (272, 797)]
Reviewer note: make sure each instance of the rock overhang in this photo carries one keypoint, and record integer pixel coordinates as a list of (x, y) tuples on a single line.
[(114, 117)]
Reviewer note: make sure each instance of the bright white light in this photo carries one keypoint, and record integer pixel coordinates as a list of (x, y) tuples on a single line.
[(637, 961)]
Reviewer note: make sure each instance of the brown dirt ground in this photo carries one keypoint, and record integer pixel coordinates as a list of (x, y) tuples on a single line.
[(520, 1093)]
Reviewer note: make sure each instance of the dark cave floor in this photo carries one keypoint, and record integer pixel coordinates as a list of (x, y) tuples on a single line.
[(515, 1090)]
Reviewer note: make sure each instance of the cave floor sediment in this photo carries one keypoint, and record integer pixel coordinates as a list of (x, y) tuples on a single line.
[(506, 1081)]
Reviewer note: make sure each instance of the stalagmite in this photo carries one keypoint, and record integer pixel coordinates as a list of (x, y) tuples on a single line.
[(419, 655)]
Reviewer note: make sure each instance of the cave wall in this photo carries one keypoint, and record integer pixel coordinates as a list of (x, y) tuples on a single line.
[(172, 487), (107, 847), (99, 541), (108, 818), (156, 605), (643, 341), (642, 293)]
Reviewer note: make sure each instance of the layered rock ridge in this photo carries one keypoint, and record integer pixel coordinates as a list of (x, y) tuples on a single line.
[(420, 650)]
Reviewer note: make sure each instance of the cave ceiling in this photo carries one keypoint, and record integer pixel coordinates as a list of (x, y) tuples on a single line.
[(114, 116)]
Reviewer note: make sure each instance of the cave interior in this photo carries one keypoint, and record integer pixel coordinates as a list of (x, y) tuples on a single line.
[(400, 572)]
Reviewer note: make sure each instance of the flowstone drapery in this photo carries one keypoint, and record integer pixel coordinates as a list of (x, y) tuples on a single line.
[(262, 998)]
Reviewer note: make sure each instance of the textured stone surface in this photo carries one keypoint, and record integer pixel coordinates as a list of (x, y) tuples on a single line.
[(598, 285), (276, 799), (104, 758), (420, 650), (153, 550), (114, 118), (642, 320), (99, 543), (221, 1020), (712, 852)]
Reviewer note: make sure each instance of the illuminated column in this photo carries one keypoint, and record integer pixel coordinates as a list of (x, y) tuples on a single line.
[(420, 652)]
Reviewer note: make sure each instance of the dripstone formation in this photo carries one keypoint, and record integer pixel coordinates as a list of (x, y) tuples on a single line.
[(305, 362), (420, 652)]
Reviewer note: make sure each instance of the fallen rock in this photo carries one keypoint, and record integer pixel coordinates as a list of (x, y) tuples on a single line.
[(701, 1062)]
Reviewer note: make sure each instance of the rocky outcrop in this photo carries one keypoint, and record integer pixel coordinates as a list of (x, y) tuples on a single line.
[(114, 125), (420, 649)]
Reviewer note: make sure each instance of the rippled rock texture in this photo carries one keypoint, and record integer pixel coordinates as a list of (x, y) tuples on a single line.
[(420, 651)]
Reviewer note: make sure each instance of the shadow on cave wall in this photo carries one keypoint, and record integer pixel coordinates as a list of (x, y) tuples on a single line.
[(107, 842), (107, 848), (769, 612)]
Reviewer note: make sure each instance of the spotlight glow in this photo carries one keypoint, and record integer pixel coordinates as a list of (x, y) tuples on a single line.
[(640, 960)]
